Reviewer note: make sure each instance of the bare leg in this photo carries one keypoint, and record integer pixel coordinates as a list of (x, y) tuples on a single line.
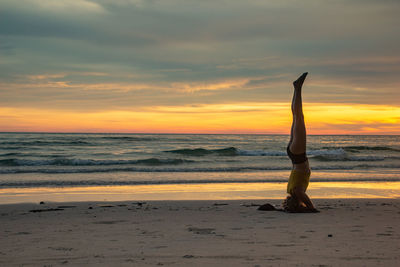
[(298, 131), (297, 143)]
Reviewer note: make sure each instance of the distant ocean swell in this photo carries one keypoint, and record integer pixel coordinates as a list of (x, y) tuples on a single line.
[(103, 140), (22, 144), (186, 169), (85, 141), (361, 148), (232, 151)]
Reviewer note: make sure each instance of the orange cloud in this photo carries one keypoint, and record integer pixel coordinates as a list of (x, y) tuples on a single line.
[(59, 80)]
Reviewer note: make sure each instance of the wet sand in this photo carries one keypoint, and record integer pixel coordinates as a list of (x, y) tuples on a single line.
[(347, 232)]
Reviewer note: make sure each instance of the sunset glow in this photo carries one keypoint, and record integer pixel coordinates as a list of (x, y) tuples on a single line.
[(225, 191), (230, 118)]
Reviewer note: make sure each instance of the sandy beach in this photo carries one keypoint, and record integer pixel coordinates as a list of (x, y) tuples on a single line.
[(347, 232)]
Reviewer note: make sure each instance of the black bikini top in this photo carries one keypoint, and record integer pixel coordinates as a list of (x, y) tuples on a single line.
[(296, 158)]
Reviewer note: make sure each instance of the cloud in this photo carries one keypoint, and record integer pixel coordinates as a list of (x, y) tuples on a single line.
[(59, 6), (92, 55), (66, 6)]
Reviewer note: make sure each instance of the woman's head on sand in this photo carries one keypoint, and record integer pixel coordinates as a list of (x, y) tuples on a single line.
[(294, 205), (291, 204)]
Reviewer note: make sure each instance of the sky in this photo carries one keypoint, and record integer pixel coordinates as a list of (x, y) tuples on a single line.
[(190, 66)]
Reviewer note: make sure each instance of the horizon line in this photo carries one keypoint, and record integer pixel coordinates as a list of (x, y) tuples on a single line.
[(142, 133)]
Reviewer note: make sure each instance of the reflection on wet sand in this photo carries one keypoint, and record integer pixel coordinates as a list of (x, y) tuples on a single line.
[(197, 192)]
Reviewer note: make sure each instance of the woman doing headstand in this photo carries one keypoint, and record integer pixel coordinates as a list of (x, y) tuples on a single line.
[(298, 201)]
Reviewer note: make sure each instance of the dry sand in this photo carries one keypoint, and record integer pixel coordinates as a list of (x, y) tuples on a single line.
[(352, 232)]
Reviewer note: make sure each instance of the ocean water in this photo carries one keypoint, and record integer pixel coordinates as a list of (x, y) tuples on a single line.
[(68, 160)]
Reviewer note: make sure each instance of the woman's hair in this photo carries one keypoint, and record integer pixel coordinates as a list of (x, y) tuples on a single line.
[(291, 204)]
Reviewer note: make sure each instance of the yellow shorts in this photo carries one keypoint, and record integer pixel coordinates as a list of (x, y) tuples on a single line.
[(298, 179)]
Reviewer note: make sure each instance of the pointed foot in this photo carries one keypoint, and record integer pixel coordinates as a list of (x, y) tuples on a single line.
[(299, 82)]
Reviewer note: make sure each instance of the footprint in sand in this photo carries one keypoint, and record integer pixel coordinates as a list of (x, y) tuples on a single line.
[(108, 222), (201, 231)]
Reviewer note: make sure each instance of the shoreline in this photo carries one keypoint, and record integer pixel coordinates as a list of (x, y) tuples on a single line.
[(213, 191), (347, 232)]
